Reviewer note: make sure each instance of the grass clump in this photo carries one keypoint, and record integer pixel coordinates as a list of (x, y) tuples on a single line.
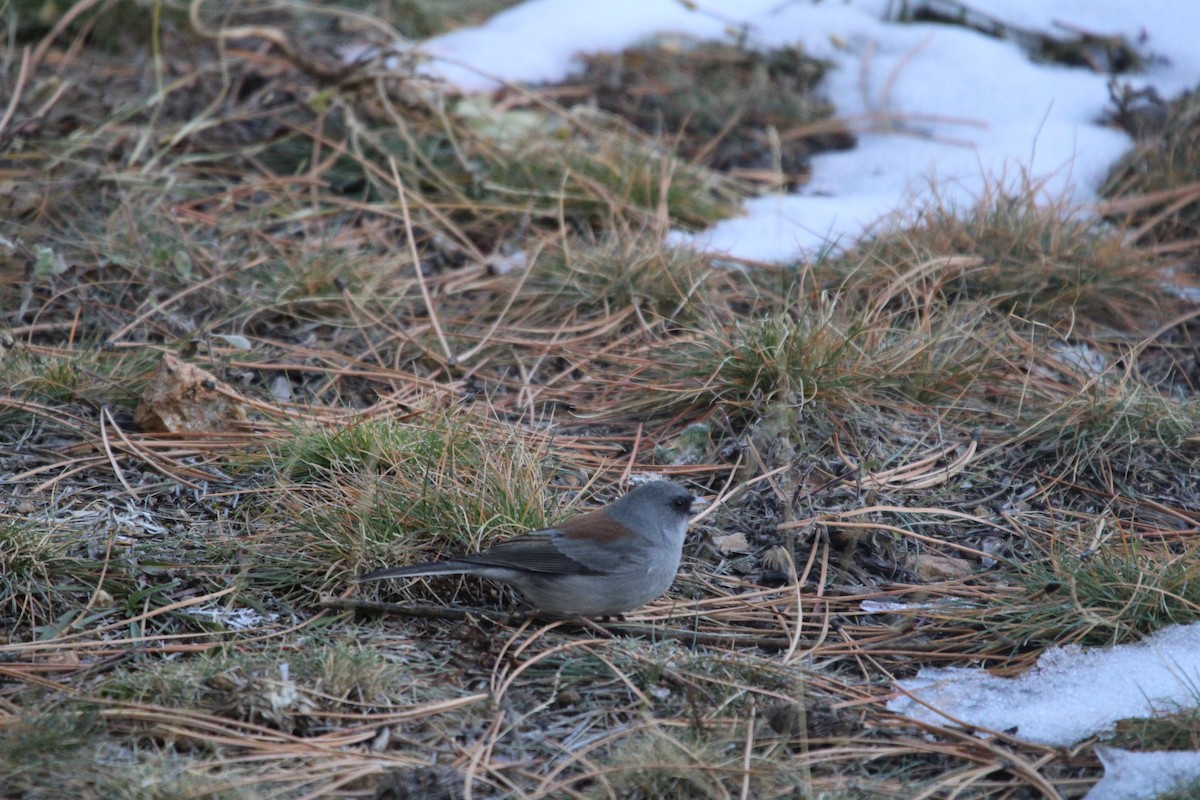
[(1171, 730), (801, 356), (620, 274), (488, 172), (1153, 189), (293, 692), (39, 580), (56, 731), (1115, 421), (78, 376), (822, 354), (754, 114), (65, 752), (26, 549), (383, 492), (1116, 594), (1018, 256), (595, 170), (672, 765)]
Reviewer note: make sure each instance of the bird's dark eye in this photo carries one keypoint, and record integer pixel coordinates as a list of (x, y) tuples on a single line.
[(681, 503)]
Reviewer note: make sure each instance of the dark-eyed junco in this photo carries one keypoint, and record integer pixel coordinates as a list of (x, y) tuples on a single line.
[(604, 562)]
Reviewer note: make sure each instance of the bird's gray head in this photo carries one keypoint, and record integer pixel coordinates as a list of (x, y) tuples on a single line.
[(655, 506)]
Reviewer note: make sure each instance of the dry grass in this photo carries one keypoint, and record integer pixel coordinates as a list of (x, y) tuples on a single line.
[(1003, 385), (1155, 190)]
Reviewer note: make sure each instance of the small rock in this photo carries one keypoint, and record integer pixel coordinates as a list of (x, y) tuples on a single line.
[(182, 398)]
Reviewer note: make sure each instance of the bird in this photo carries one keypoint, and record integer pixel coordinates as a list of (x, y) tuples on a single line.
[(599, 564)]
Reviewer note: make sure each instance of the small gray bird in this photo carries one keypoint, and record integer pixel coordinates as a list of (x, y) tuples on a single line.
[(605, 562)]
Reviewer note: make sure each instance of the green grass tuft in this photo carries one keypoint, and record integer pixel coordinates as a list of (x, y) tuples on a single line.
[(384, 492)]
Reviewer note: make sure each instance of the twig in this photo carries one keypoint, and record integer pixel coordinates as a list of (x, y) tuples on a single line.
[(61, 25), (105, 414), (22, 76), (416, 258)]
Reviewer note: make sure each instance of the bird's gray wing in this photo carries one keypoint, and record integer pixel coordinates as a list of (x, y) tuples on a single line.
[(599, 541), (536, 551)]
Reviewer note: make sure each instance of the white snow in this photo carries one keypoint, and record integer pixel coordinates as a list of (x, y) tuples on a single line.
[(941, 111), (1070, 695), (1138, 776), (1073, 694)]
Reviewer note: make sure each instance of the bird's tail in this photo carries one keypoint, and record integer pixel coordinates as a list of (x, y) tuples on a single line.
[(418, 571)]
